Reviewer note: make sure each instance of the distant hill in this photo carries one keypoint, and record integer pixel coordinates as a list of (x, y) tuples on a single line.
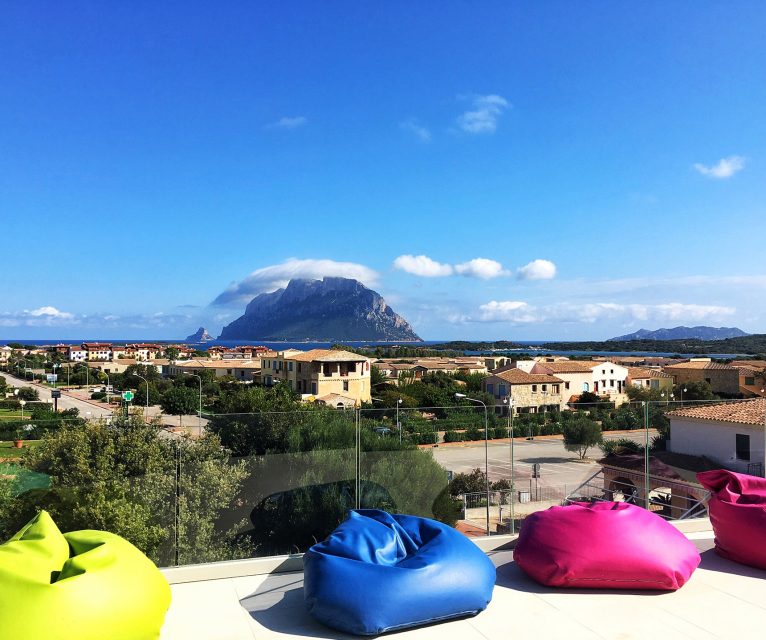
[(683, 333), (327, 310), (754, 344)]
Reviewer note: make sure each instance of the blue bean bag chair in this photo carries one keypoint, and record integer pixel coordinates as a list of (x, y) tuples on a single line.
[(379, 572)]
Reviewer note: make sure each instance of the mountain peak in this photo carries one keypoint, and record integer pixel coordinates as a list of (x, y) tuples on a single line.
[(331, 309), (201, 335)]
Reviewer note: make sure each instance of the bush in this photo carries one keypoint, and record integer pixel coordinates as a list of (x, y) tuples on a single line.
[(500, 433), (98, 395), (454, 436), (28, 394), (429, 437), (473, 433), (621, 445)]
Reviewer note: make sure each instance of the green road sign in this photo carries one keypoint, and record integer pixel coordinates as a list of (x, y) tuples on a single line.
[(127, 396)]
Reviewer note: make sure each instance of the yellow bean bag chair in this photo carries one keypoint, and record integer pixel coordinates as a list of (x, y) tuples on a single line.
[(83, 585)]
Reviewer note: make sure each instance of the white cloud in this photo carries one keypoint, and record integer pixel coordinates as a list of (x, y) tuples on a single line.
[(484, 115), (483, 268), (277, 276), (51, 317), (725, 168), (422, 266), (518, 312), (506, 311), (419, 131), (288, 123), (537, 270)]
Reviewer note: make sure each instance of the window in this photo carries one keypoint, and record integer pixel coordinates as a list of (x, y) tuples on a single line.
[(345, 385), (490, 388), (750, 380), (299, 367), (290, 366), (585, 386), (313, 388), (534, 388), (743, 446), (611, 383), (611, 371), (555, 388), (545, 388), (228, 372), (502, 390), (707, 380), (566, 385)]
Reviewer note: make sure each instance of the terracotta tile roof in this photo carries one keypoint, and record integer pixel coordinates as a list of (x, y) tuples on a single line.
[(326, 355), (198, 363), (635, 373), (741, 412), (700, 364), (517, 376), (570, 367)]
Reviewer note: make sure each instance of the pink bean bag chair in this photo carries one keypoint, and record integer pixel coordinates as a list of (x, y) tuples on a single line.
[(738, 515), (605, 545)]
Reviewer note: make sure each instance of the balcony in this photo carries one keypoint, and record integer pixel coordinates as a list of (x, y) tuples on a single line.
[(221, 519), (258, 599)]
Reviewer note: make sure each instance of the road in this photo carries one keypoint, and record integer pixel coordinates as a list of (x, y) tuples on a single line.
[(93, 410), (558, 467), (66, 401)]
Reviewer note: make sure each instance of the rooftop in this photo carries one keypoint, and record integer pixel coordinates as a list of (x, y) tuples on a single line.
[(645, 372), (326, 355), (517, 376), (721, 600), (570, 367), (742, 412), (701, 364)]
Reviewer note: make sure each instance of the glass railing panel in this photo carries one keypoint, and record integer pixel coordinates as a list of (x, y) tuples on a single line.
[(118, 476), (266, 484)]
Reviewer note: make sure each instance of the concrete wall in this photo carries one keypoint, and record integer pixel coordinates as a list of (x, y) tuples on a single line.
[(716, 440)]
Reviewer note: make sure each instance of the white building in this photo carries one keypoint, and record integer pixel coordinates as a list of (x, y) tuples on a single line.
[(77, 353), (732, 434), (602, 378)]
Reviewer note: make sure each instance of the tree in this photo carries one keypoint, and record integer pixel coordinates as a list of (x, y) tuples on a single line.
[(3, 384), (180, 401), (695, 391), (474, 482), (29, 394), (376, 376), (165, 496), (172, 353), (580, 435)]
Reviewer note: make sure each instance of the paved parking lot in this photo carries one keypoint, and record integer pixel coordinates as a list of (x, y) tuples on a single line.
[(558, 466)]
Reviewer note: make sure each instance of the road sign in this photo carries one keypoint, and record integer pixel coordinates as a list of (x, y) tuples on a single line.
[(109, 388), (127, 396), (56, 393), (51, 377)]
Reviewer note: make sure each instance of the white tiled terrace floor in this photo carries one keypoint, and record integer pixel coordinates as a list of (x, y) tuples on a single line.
[(722, 600)]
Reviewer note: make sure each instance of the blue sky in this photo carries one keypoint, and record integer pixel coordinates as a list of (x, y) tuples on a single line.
[(604, 162)]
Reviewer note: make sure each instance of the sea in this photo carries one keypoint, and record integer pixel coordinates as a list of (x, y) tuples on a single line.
[(532, 347)]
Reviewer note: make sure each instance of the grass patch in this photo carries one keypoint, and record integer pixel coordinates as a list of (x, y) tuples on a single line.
[(7, 450)]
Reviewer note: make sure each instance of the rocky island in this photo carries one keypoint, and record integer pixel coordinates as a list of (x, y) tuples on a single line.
[(327, 310)]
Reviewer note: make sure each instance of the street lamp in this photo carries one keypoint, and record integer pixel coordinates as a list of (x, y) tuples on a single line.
[(199, 415), (509, 401), (22, 403), (398, 426), (462, 396), (146, 413)]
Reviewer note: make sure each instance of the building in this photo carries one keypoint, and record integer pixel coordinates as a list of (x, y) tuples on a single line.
[(240, 370), (646, 378), (530, 392), (317, 373), (120, 365), (77, 353), (732, 434), (722, 378), (602, 378), (752, 380)]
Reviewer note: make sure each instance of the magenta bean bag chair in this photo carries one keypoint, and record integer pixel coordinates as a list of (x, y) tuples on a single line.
[(605, 545), (738, 515)]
